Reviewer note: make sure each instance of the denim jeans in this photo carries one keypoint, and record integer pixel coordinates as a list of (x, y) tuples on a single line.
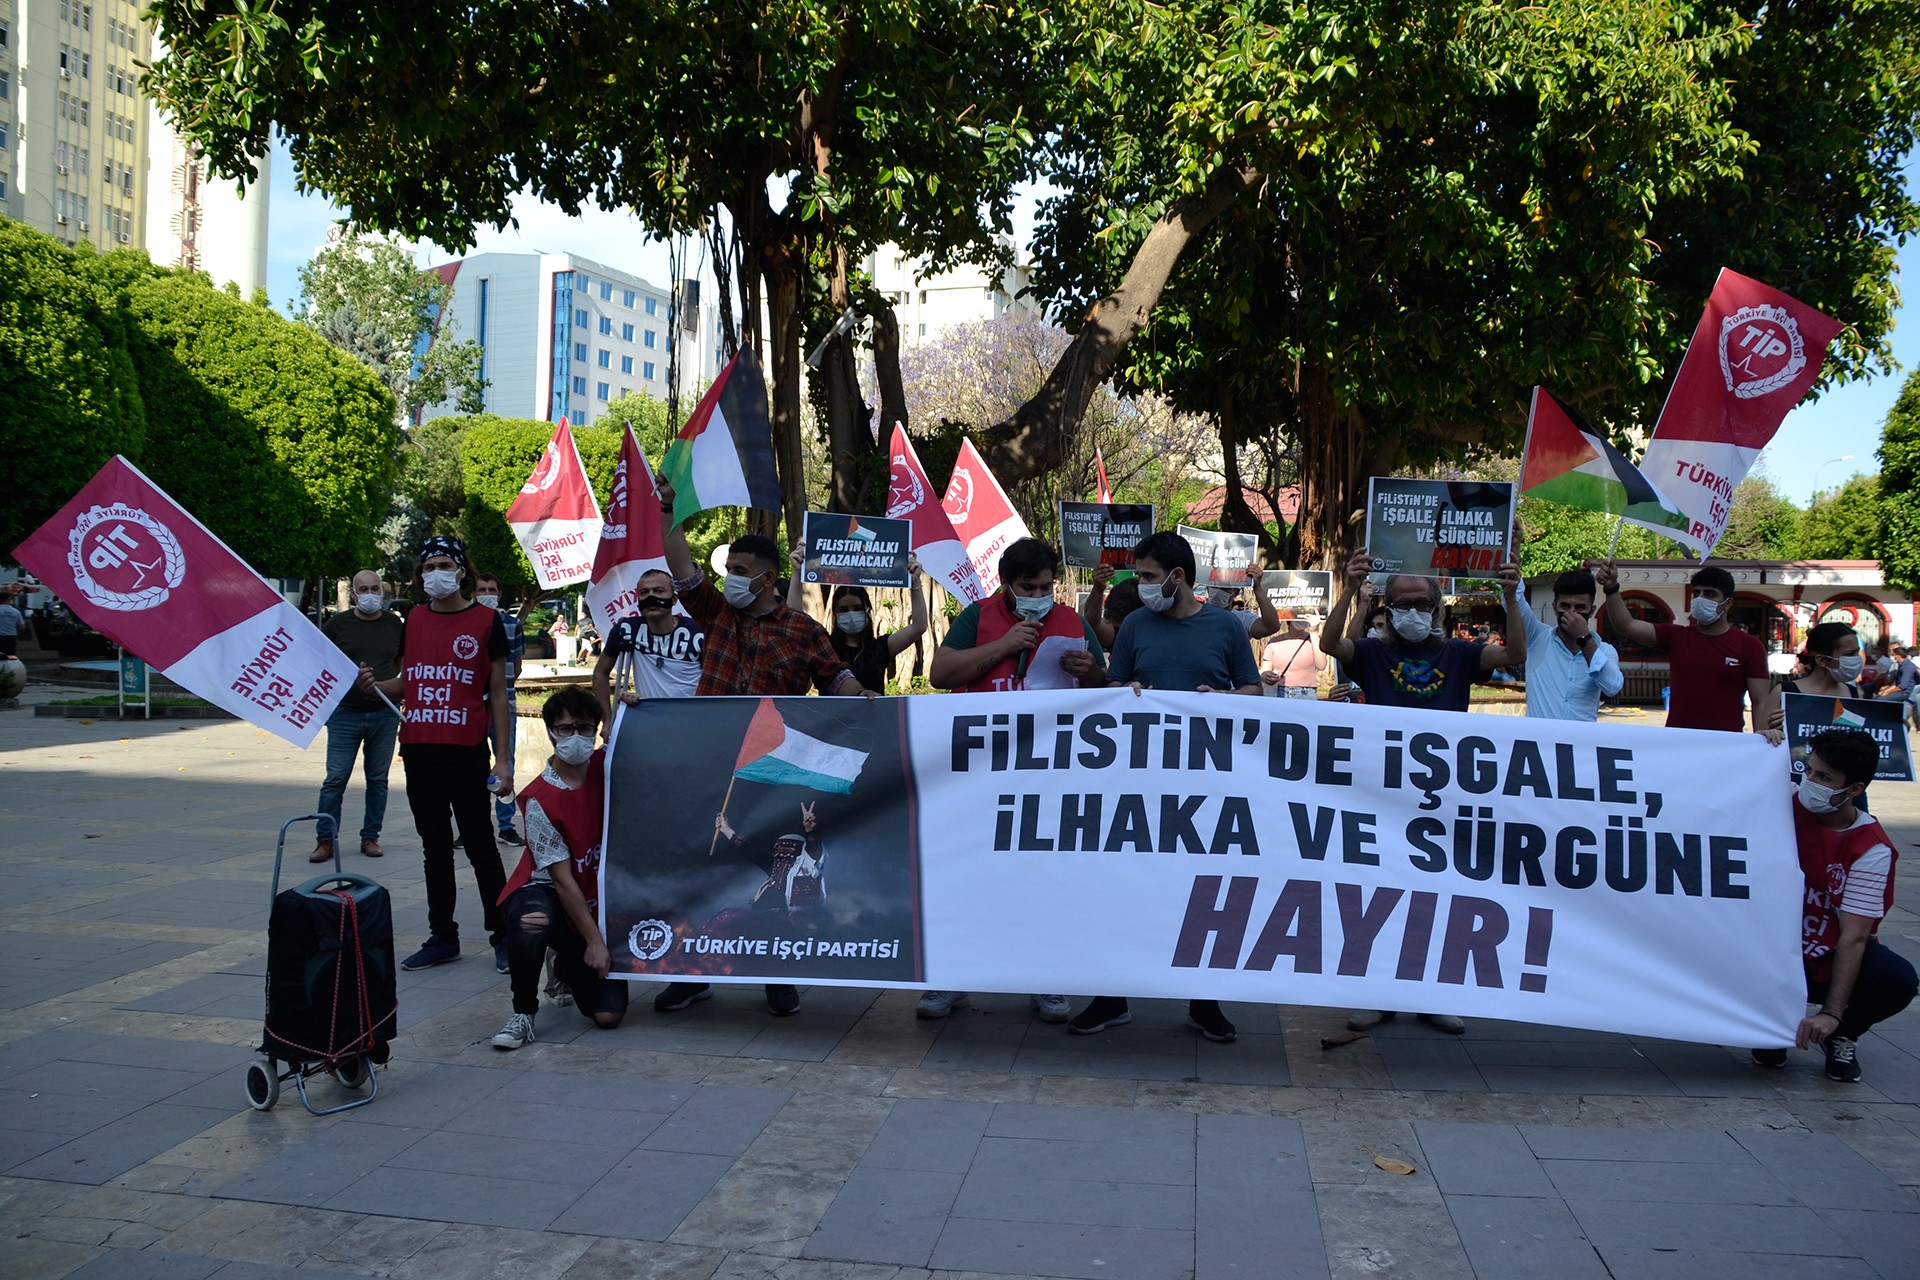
[(369, 734), (503, 809)]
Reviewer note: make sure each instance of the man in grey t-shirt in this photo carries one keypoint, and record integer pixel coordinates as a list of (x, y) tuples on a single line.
[(1174, 643)]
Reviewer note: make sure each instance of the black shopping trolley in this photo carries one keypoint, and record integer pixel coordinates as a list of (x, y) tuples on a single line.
[(331, 1003)]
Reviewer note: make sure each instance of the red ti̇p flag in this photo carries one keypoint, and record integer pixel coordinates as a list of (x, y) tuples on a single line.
[(140, 570), (910, 498), (981, 514), (1105, 493), (556, 517), (630, 542), (1755, 353)]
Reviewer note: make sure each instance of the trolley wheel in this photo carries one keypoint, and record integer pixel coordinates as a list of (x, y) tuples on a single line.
[(263, 1084), (352, 1073)]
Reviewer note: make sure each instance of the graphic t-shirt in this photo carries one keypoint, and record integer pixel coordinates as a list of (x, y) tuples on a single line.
[(1709, 675), (1438, 676), (664, 666)]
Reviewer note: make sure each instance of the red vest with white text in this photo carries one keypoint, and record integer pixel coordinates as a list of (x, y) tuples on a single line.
[(1826, 856), (996, 619), (578, 816), (444, 661)]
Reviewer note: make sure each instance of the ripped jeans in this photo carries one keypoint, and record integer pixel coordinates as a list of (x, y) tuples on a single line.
[(534, 922)]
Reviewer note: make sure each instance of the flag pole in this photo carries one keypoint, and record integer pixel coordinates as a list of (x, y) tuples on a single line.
[(715, 842), (1614, 546)]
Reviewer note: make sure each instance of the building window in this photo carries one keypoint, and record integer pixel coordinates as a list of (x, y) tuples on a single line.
[(646, 371), (3, 135), (483, 332), (606, 325), (606, 291), (606, 358), (652, 337), (580, 351), (580, 318), (86, 66), (626, 332), (3, 185), (626, 299), (601, 391), (581, 282), (626, 364), (653, 306), (923, 331), (626, 391), (580, 386), (3, 84)]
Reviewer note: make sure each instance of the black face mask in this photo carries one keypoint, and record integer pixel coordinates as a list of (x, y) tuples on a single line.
[(654, 602)]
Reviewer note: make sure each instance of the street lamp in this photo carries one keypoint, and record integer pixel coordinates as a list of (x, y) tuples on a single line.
[(1845, 457)]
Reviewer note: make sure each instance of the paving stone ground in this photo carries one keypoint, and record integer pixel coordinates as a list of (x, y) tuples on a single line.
[(851, 1141)]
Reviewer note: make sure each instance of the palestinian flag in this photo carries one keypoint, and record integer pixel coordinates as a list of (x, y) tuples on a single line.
[(857, 530), (775, 752), (723, 457), (1568, 462)]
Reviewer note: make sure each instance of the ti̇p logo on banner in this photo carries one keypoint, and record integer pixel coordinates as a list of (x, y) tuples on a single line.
[(465, 647), (123, 559), (905, 491), (545, 473), (1760, 351)]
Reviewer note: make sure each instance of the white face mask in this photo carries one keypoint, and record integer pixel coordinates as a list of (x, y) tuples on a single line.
[(440, 583), (852, 622), (1815, 798), (369, 602), (1030, 608), (575, 748), (1156, 596), (1378, 633), (739, 590), (1704, 611), (1412, 625), (1848, 669), (491, 601)]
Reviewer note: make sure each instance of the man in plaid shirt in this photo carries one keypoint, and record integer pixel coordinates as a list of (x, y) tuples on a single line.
[(756, 646)]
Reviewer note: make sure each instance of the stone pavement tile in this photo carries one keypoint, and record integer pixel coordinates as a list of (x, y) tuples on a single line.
[(281, 1235), (1091, 1124), (271, 1271), (930, 1135), (1341, 1150), (1523, 1237), (427, 1096), (961, 1086), (1108, 1055), (374, 1245), (969, 1040), (1077, 1201), (1256, 1215), (1481, 1160), (539, 1122), (760, 1210), (1597, 1142), (17, 1146), (1897, 1158), (886, 1216), (1693, 1264), (1641, 1081), (29, 1258), (142, 1084), (114, 1148), (718, 1120), (1259, 1058), (817, 1114), (533, 1158), (1204, 1099), (1042, 1249), (759, 1266), (1707, 1071), (441, 1196), (1550, 1053), (1890, 1241), (1823, 1172), (1426, 1063), (465, 1252), (644, 1197), (1083, 1091), (59, 1112), (644, 1260), (41, 1046), (1743, 1182), (1632, 1225), (1111, 1160), (811, 1037), (1398, 1226), (147, 1264), (316, 1170), (1893, 1069), (196, 993)]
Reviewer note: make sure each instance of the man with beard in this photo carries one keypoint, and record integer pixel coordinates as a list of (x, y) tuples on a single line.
[(1569, 667)]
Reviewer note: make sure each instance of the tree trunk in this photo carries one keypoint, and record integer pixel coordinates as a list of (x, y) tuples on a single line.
[(1032, 442), (849, 418), (886, 363), (1236, 515), (780, 266), (1338, 456)]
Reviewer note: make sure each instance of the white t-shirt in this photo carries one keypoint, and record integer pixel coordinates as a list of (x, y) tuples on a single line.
[(1866, 891), (664, 666)]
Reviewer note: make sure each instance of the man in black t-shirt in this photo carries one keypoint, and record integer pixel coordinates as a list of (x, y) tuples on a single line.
[(362, 725)]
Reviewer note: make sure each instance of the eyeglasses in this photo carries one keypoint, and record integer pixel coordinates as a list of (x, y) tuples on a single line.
[(566, 727)]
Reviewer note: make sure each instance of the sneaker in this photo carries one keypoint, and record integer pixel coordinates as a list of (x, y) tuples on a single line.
[(1101, 1012), (783, 1000), (1769, 1057), (680, 995), (1843, 1059), (938, 1004), (1054, 1009), (432, 952), (322, 852), (556, 990), (1445, 1022), (501, 963), (517, 1033), (459, 842), (510, 836), (1205, 1017), (1368, 1019)]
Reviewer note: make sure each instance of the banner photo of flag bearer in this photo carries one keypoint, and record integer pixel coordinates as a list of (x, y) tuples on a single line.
[(761, 837)]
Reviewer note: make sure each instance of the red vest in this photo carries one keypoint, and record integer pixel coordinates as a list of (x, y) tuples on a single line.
[(1826, 856), (446, 667), (996, 619), (577, 815)]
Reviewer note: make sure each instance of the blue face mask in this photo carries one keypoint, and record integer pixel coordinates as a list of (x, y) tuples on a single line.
[(1030, 608)]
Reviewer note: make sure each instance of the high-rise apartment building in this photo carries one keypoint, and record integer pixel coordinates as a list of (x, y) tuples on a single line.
[(79, 143), (561, 336), (926, 301)]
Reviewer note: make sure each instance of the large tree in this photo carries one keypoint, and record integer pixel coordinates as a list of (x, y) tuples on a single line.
[(1845, 523), (1900, 489)]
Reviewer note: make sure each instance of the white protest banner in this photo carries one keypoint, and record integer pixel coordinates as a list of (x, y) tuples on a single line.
[(630, 544), (910, 498), (1192, 845), (982, 514), (556, 517), (139, 569)]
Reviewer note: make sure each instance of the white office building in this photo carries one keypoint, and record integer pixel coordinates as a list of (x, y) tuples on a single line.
[(562, 336), (927, 302)]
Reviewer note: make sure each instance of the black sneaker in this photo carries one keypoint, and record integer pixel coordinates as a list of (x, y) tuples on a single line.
[(459, 842), (434, 951), (680, 995), (1205, 1017), (1769, 1057), (1843, 1059), (783, 1000), (501, 964), (1101, 1012), (510, 836)]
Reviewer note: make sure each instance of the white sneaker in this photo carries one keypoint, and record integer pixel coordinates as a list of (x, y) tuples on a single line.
[(556, 990), (938, 1004), (1368, 1019), (517, 1032), (1054, 1009), (1447, 1022)]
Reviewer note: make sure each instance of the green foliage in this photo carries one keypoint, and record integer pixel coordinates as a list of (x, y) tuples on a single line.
[(1763, 524), (1844, 524), (72, 398), (1900, 489), (1556, 538)]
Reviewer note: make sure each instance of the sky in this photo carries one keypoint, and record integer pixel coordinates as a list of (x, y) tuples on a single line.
[(1822, 442)]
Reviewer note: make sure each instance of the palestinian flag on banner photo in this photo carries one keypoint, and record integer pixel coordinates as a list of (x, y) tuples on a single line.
[(1568, 462), (857, 530), (723, 457), (776, 753)]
